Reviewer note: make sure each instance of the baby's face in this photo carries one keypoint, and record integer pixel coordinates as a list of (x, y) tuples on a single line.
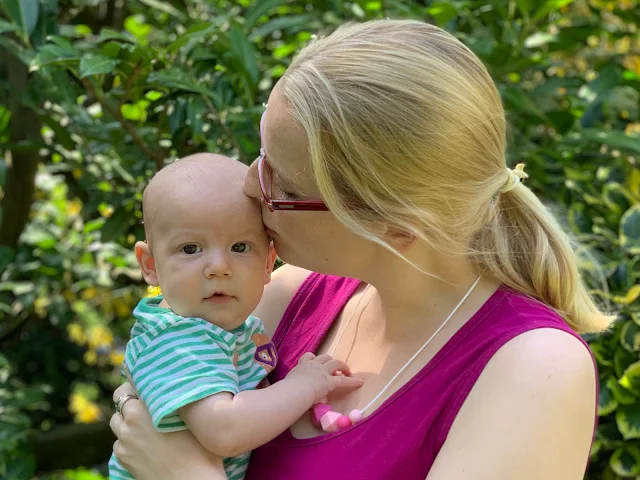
[(211, 255)]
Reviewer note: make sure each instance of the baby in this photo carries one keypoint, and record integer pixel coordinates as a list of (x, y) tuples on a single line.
[(197, 356)]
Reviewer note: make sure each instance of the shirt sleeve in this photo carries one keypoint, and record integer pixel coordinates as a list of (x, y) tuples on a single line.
[(184, 364)]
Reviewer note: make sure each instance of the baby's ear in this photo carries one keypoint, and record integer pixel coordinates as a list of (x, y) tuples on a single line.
[(271, 260), (147, 263)]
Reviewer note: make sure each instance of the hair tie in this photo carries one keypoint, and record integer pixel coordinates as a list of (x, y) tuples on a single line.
[(515, 177)]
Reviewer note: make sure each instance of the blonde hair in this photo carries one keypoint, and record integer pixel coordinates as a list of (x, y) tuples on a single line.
[(406, 127)]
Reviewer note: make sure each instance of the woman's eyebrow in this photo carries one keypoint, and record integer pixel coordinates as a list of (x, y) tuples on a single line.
[(277, 172)]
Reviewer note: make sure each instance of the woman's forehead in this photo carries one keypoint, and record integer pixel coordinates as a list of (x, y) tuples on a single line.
[(282, 137)]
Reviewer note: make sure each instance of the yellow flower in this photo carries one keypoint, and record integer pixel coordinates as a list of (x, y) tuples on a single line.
[(632, 128), (153, 291), (90, 357), (76, 334), (100, 336), (632, 63), (116, 358), (74, 207), (89, 293), (106, 210), (90, 414), (40, 305), (121, 308), (623, 45)]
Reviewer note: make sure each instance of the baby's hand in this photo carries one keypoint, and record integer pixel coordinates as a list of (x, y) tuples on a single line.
[(321, 375)]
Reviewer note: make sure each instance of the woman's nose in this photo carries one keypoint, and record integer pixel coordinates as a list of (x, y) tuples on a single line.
[(252, 182), (218, 265)]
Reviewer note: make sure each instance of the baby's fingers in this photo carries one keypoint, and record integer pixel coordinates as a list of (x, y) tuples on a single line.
[(346, 382), (333, 366)]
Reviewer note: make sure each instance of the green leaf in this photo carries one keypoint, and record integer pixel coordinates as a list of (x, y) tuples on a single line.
[(6, 256), (550, 6), (96, 64), (259, 8), (59, 51), (245, 54), (631, 378), (135, 111), (24, 13), (7, 27), (21, 463), (603, 354), (630, 230), (630, 337), (282, 23), (47, 23), (616, 197), (539, 39), (442, 12), (579, 219), (608, 78), (625, 461), (164, 7), (613, 139), (621, 394), (110, 34), (520, 101), (180, 80), (628, 298), (194, 32), (606, 401), (116, 225), (62, 135)]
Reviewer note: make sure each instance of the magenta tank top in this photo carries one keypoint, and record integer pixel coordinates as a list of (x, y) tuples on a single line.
[(402, 437)]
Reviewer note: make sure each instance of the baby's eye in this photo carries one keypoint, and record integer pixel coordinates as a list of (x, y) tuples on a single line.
[(191, 249), (240, 248)]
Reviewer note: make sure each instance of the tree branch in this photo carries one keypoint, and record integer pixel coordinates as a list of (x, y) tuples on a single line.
[(20, 182), (115, 112)]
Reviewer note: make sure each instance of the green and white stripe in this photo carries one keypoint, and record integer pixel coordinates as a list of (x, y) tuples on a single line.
[(176, 360)]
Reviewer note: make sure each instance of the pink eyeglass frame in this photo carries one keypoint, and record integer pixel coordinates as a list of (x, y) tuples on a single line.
[(290, 205)]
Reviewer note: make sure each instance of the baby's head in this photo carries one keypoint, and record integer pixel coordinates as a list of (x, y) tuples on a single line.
[(205, 242)]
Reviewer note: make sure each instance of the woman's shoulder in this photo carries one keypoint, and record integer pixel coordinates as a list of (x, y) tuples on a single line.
[(285, 282), (538, 393)]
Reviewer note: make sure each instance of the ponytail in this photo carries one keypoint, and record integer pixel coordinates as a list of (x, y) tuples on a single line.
[(525, 248)]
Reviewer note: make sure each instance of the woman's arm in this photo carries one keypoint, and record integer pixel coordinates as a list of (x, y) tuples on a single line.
[(285, 281), (151, 455), (529, 416)]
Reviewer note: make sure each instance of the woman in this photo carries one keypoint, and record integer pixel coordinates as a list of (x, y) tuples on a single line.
[(437, 276)]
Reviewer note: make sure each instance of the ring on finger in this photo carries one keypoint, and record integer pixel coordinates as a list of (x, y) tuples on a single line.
[(124, 399)]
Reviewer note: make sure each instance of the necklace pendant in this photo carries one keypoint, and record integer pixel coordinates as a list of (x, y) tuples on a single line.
[(324, 418)]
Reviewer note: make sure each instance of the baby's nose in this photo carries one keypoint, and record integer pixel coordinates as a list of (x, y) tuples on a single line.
[(218, 265)]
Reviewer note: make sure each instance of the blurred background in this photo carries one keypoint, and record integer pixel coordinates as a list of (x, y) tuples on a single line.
[(97, 95)]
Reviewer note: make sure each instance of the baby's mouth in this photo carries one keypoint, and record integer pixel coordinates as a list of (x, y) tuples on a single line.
[(219, 298)]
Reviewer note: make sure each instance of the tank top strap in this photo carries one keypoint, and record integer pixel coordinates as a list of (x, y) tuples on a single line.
[(311, 312)]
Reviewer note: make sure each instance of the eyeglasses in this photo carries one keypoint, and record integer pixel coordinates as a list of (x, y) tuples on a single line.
[(265, 175)]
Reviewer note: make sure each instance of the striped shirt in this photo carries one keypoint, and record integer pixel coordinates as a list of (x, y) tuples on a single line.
[(174, 361)]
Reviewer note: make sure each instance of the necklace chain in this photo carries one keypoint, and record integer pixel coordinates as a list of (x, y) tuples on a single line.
[(386, 387)]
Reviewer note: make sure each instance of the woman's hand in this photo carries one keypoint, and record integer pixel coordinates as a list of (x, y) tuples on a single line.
[(151, 455)]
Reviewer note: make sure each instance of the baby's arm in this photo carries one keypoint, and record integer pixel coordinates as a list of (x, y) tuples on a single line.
[(228, 425)]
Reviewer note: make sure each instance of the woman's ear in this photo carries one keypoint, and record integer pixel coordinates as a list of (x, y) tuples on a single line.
[(147, 263), (399, 238), (271, 260)]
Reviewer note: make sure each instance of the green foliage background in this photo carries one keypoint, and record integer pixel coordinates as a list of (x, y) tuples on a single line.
[(97, 95)]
